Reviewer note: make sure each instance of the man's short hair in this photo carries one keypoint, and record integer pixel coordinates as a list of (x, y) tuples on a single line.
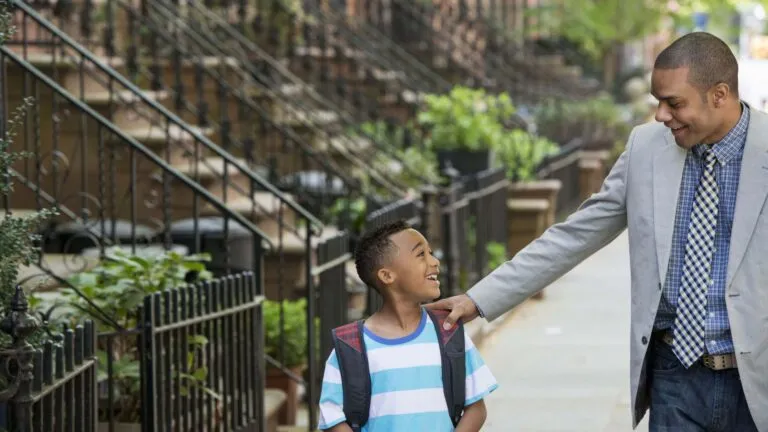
[(709, 59), (374, 249)]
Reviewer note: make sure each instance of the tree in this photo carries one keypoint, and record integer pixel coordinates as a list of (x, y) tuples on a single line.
[(601, 27)]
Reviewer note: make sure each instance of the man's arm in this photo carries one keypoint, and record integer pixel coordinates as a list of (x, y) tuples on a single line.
[(473, 418), (599, 220)]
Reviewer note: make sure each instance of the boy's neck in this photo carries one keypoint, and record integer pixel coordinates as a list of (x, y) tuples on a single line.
[(396, 318)]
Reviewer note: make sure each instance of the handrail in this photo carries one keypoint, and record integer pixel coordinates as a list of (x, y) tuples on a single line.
[(136, 145), (247, 46), (429, 80), (499, 69), (212, 46), (238, 93), (316, 224)]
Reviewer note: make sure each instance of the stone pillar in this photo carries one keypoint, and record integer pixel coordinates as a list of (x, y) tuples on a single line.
[(528, 219), (539, 189)]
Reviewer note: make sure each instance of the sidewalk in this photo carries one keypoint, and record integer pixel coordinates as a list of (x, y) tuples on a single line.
[(562, 362)]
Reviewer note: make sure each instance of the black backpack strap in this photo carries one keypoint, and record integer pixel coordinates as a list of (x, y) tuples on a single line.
[(453, 358), (355, 377)]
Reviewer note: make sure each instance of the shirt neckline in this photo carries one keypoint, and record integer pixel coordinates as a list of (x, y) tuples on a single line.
[(400, 340)]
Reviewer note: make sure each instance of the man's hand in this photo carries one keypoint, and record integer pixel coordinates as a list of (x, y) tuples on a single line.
[(461, 306)]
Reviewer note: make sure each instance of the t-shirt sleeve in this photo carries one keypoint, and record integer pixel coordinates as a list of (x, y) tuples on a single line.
[(331, 395), (480, 381)]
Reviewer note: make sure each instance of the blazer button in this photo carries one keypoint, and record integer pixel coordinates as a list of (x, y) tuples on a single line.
[(644, 340)]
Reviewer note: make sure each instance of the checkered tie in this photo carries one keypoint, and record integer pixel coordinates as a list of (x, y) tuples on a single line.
[(688, 330)]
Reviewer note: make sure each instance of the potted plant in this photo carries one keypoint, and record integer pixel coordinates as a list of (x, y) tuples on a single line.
[(290, 350), (464, 126)]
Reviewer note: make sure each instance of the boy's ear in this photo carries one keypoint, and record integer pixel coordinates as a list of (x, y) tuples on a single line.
[(386, 276)]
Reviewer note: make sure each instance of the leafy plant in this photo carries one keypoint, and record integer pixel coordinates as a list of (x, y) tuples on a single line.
[(465, 118), (497, 255), (291, 350), (349, 213), (521, 153), (596, 119), (119, 284), (118, 287), (18, 237)]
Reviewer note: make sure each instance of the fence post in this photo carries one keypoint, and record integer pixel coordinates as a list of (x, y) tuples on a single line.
[(19, 324), (448, 203)]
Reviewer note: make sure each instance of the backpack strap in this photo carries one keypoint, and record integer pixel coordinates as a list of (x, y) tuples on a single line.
[(454, 363), (355, 377)]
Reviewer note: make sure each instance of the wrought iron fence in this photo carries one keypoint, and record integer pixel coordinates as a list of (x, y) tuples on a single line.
[(474, 215), (564, 166), (201, 350), (198, 355), (51, 386)]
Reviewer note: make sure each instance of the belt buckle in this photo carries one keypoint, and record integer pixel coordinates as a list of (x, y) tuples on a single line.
[(718, 362)]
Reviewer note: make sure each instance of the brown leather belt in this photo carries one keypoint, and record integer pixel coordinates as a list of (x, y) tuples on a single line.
[(715, 362)]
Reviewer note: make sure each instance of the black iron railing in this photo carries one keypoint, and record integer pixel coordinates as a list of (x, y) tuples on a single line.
[(96, 82), (241, 143), (325, 84), (227, 314), (95, 196), (49, 386), (564, 166)]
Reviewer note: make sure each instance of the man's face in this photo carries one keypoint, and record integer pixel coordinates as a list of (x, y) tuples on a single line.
[(689, 114)]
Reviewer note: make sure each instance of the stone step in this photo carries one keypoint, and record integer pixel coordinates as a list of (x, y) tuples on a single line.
[(261, 207), (175, 144), (274, 399), (36, 277), (129, 110)]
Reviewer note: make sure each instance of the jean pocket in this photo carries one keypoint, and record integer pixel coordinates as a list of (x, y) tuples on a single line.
[(664, 359)]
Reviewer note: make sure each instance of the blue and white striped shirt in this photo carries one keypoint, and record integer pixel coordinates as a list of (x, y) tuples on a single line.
[(729, 152), (406, 383)]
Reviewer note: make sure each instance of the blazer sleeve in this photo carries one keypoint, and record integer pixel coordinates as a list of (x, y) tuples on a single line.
[(598, 221)]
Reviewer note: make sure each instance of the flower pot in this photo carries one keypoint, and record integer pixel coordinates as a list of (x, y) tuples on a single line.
[(466, 162), (278, 380)]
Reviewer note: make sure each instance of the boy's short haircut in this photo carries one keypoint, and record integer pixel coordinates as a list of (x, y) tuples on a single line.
[(373, 249)]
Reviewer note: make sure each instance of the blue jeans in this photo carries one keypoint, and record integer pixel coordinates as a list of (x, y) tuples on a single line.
[(696, 399)]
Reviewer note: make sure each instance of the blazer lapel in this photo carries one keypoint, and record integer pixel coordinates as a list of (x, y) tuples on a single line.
[(753, 189), (668, 167)]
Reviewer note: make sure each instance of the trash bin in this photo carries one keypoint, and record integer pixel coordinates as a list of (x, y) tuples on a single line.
[(74, 237), (212, 241)]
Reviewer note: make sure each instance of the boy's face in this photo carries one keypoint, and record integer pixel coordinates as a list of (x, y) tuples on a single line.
[(412, 270)]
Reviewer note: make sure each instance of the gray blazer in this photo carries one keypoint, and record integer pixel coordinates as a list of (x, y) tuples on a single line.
[(640, 194)]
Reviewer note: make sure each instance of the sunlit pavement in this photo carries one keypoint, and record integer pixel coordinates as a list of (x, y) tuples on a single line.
[(563, 362)]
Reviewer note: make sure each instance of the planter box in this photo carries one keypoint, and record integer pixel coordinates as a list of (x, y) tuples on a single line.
[(120, 427), (466, 162), (528, 219), (591, 172), (276, 379), (538, 189)]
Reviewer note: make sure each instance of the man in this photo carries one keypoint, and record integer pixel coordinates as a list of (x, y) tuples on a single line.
[(691, 189)]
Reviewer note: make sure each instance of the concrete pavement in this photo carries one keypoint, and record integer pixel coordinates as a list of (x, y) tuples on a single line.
[(562, 362)]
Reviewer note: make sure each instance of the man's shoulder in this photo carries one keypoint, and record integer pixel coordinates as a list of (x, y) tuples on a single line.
[(650, 133)]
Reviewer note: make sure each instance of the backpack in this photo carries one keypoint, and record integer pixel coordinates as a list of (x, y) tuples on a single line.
[(356, 379)]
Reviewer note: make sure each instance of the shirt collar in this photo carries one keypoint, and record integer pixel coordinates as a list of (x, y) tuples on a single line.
[(732, 143)]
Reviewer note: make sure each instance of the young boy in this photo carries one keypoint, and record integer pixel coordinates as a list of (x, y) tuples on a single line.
[(405, 360)]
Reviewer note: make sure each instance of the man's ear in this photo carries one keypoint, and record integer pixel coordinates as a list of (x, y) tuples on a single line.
[(720, 94), (386, 276)]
